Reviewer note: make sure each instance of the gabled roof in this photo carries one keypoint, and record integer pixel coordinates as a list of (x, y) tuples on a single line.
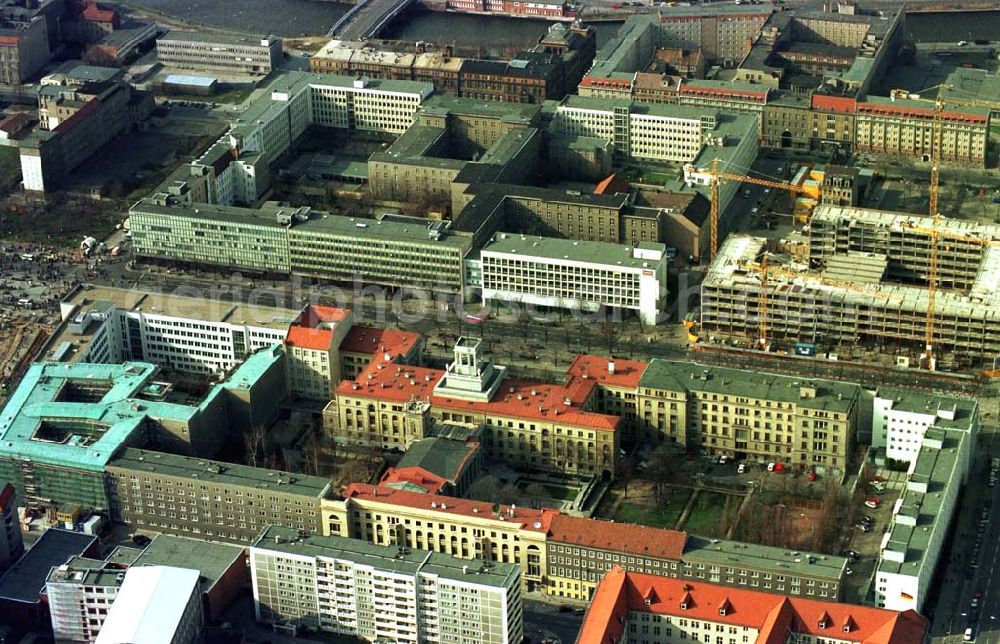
[(527, 518), (774, 616), (625, 538)]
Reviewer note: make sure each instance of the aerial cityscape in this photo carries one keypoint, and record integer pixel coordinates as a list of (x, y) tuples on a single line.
[(499, 322)]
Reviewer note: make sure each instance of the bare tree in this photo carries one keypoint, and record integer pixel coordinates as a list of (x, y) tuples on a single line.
[(509, 494), (485, 488), (254, 445), (626, 470), (661, 468), (612, 332), (536, 494)]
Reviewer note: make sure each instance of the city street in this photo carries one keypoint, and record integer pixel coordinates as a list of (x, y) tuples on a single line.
[(958, 582)]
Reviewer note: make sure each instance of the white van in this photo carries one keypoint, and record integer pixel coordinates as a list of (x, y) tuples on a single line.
[(968, 636)]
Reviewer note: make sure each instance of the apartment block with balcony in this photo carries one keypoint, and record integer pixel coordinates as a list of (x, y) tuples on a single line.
[(383, 593)]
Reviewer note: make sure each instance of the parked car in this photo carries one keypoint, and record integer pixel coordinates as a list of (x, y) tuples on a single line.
[(741, 468), (870, 504)]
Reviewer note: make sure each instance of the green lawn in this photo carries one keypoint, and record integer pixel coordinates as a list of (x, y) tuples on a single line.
[(10, 167), (552, 491), (706, 514), (228, 97), (664, 516)]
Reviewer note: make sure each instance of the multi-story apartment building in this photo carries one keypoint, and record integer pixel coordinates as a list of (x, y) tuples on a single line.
[(912, 549), (899, 127), (545, 72), (723, 34), (237, 168), (383, 593), (190, 334), (902, 418), (639, 131), (80, 593), (575, 275), (809, 424), (280, 240), (209, 499), (156, 604), (312, 346), (219, 52), (24, 49), (11, 542), (535, 425), (551, 9), (92, 115), (65, 422), (634, 608), (581, 551), (458, 527)]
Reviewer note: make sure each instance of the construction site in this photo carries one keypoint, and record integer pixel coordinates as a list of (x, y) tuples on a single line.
[(920, 291)]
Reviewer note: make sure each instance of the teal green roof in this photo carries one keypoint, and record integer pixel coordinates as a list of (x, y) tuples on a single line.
[(47, 420), (36, 400)]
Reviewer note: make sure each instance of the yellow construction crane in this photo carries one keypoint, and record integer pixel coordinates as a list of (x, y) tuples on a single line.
[(717, 177), (929, 361), (766, 270)]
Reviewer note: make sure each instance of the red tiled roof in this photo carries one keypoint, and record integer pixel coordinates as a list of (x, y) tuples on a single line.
[(384, 380), (918, 112), (95, 13), (698, 90), (527, 518), (314, 315), (77, 116), (608, 611), (416, 475), (613, 184), (773, 615), (14, 122), (589, 81), (619, 537), (627, 372), (370, 339), (9, 40), (307, 338)]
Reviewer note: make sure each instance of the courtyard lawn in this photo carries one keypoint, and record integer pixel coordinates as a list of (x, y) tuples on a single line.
[(706, 514), (648, 512)]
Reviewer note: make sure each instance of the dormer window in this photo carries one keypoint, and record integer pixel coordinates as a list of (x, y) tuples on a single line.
[(684, 605), (722, 611), (822, 623), (847, 628), (650, 601)]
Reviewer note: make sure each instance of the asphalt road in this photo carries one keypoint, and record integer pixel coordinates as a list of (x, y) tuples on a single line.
[(957, 581)]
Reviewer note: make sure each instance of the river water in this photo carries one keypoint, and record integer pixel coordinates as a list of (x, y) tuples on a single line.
[(492, 35)]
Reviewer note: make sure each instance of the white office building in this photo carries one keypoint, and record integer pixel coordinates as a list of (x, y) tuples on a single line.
[(640, 131), (901, 418), (81, 593), (911, 549), (382, 593), (155, 605), (574, 274), (192, 334)]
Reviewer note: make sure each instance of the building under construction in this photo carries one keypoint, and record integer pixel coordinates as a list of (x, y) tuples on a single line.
[(865, 284)]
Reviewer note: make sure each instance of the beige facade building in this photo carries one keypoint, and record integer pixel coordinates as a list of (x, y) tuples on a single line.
[(312, 350), (457, 527), (581, 551), (207, 499), (808, 424), (531, 425)]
